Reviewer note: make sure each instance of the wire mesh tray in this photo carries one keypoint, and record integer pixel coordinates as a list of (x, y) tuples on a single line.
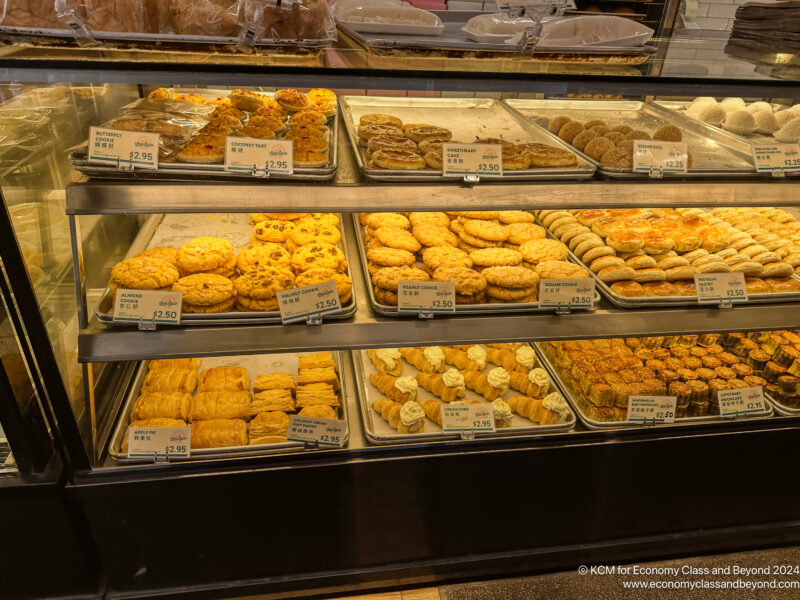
[(173, 230), (256, 364), (463, 309), (378, 431), (576, 399), (715, 153), (468, 119)]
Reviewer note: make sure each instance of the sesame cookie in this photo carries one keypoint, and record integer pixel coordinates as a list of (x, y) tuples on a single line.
[(467, 281), (205, 254), (478, 242), (267, 254), (429, 218), (509, 294), (308, 234), (204, 289), (226, 306), (378, 220), (515, 216), (559, 269), (537, 251), (434, 235), (318, 255), (387, 278), (322, 219), (263, 284), (247, 304), (143, 273), (436, 256), (390, 257), (511, 277), (495, 257), (344, 285), (168, 254), (394, 237), (386, 297), (273, 231)]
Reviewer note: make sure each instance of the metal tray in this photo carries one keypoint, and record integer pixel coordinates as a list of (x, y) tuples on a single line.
[(783, 409), (464, 309), (623, 302), (171, 170), (173, 230), (378, 431), (256, 364), (570, 394), (467, 118), (715, 153)]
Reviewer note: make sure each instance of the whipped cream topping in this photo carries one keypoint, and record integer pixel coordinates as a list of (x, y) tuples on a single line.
[(453, 378), (557, 404), (502, 411), (434, 355), (406, 384), (478, 355), (499, 378), (538, 377), (389, 356), (411, 413), (526, 356)]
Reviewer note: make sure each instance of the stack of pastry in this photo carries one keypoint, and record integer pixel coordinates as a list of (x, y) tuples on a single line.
[(657, 252), (287, 250), (491, 256), (388, 143), (463, 374), (606, 142)]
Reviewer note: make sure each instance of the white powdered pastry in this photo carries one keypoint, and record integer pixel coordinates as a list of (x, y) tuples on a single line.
[(499, 378), (765, 122), (784, 116), (411, 413), (759, 107), (502, 411), (406, 384), (389, 356), (740, 121), (732, 105), (556, 403), (454, 379), (434, 355), (790, 132), (526, 356), (713, 115), (539, 377), (477, 354)]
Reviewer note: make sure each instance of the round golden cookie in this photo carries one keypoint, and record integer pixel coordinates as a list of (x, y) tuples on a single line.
[(511, 277), (537, 251), (488, 215), (390, 257), (464, 246), (247, 304), (344, 285), (434, 235), (467, 281), (257, 217), (515, 216), (436, 256), (386, 297), (204, 289), (485, 230), (308, 234), (263, 284), (318, 255), (394, 237), (477, 242), (509, 294), (388, 219), (387, 278), (495, 257), (204, 254), (428, 218), (479, 298), (266, 254), (168, 254), (559, 269), (226, 306), (143, 273), (318, 219), (273, 231), (519, 233)]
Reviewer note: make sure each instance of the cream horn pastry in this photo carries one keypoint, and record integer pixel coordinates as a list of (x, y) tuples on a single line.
[(473, 359), (429, 359), (503, 416), (449, 386), (534, 383), (387, 360), (491, 386), (522, 359), (400, 389), (406, 418)]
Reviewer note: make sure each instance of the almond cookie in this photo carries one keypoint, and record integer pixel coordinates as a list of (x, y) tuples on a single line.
[(321, 219), (273, 231), (308, 234), (247, 304), (168, 254), (318, 255), (511, 277), (266, 254), (222, 307), (394, 237), (519, 233), (389, 219), (263, 284), (205, 254), (434, 235), (509, 294), (467, 281), (390, 257), (515, 216), (495, 257), (204, 289), (429, 218), (477, 242), (344, 285), (387, 278), (386, 297), (537, 251), (559, 269), (143, 273), (436, 256)]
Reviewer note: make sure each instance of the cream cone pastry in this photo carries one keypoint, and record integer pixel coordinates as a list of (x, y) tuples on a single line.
[(448, 387), (429, 359), (471, 359), (406, 418), (399, 389), (387, 360), (490, 386), (534, 383)]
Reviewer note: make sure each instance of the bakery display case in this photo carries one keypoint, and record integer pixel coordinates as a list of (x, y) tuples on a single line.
[(554, 388)]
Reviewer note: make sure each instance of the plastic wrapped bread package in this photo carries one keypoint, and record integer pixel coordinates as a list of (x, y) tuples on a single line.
[(104, 15), (386, 16), (291, 21), (30, 13), (219, 18)]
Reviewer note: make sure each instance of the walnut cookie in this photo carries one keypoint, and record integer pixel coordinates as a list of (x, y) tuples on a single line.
[(318, 255), (263, 284), (268, 254), (273, 231), (344, 285)]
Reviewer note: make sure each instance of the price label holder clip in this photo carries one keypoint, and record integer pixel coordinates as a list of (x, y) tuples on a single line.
[(741, 402), (652, 410), (316, 433), (777, 159), (657, 158), (722, 289), (426, 298), (563, 295), (468, 419), (147, 308)]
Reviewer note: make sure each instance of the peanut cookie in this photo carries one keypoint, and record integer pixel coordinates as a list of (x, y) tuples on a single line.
[(204, 289), (267, 254), (509, 294), (273, 231), (468, 281), (204, 254), (436, 256), (378, 220), (387, 278), (344, 285), (511, 277), (226, 306), (390, 257), (318, 255), (263, 284), (143, 273), (168, 254), (478, 242), (394, 237), (428, 218), (519, 233), (515, 216), (386, 297), (559, 269), (495, 257), (537, 251), (308, 234), (434, 235), (478, 298), (465, 247), (477, 214), (247, 304), (321, 219)]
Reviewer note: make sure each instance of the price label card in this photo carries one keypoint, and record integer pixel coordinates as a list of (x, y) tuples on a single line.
[(123, 148), (426, 296), (312, 300), (472, 159), (254, 155), (652, 409), (664, 157), (169, 442), (744, 401), (575, 293), (325, 432), (467, 417), (147, 305), (777, 157), (712, 288)]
